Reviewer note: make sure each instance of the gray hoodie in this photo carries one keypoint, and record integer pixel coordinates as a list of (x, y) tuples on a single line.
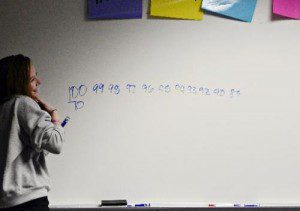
[(26, 136)]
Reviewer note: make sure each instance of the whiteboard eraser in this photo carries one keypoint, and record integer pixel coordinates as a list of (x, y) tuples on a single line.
[(120, 202)]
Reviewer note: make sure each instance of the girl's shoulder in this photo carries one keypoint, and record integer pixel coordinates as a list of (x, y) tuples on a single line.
[(25, 100)]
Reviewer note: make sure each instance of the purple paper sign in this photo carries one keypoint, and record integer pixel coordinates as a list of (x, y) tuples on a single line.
[(114, 9)]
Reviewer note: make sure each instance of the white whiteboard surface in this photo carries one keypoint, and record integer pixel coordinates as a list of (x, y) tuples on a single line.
[(166, 146)]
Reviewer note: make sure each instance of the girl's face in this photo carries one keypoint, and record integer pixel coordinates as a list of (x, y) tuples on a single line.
[(34, 83)]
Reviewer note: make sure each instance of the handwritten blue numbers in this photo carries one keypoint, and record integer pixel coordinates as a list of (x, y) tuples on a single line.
[(131, 88), (77, 93), (219, 92), (192, 89), (165, 88), (234, 93), (98, 87), (180, 87), (147, 88), (114, 88)]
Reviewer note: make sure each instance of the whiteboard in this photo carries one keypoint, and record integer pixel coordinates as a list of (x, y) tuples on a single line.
[(167, 110)]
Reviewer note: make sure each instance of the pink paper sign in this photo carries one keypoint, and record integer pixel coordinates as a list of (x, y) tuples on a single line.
[(287, 8)]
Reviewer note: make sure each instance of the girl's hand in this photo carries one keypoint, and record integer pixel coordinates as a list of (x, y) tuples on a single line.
[(44, 105), (50, 109)]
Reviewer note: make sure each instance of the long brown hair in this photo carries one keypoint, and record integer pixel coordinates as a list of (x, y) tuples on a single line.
[(14, 76)]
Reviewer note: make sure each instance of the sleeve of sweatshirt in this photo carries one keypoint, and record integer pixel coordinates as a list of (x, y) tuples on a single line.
[(38, 126)]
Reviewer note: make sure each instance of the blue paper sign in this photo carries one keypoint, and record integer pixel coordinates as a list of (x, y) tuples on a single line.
[(114, 9), (237, 9)]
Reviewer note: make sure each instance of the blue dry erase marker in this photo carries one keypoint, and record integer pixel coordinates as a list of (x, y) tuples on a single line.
[(63, 124), (142, 205), (251, 205)]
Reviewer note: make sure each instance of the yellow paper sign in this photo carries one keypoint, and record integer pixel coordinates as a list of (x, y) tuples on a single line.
[(183, 9)]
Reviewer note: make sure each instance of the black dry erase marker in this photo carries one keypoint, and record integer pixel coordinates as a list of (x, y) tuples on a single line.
[(65, 121)]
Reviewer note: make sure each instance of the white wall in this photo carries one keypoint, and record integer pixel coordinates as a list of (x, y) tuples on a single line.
[(166, 147)]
